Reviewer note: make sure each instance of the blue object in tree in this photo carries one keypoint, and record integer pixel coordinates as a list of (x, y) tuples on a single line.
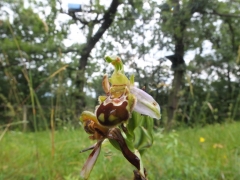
[(74, 7)]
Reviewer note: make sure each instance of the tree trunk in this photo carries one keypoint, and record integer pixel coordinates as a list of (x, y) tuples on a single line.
[(174, 96), (178, 66), (85, 53)]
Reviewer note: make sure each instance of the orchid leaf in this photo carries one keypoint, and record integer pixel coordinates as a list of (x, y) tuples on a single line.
[(144, 139), (114, 144), (134, 122), (143, 134), (148, 124), (140, 129)]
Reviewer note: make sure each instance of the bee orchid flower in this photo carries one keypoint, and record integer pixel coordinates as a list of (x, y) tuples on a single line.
[(122, 97), (114, 109)]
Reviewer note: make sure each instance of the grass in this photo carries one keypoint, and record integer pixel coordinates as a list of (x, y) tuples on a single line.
[(174, 156)]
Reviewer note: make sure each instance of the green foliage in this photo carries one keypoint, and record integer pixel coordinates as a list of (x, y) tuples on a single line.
[(32, 68), (140, 129), (33, 52), (211, 95), (176, 155)]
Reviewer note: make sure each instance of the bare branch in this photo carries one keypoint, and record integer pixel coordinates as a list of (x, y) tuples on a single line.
[(222, 14), (107, 21)]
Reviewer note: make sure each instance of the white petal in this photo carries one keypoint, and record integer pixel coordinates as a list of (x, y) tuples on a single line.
[(145, 103)]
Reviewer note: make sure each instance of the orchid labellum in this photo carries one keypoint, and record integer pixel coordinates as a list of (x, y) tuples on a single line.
[(114, 109)]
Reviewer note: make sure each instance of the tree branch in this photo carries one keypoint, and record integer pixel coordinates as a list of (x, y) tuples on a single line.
[(107, 21), (222, 14)]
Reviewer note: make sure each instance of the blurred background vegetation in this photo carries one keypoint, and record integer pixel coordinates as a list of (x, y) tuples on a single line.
[(48, 77), (185, 53)]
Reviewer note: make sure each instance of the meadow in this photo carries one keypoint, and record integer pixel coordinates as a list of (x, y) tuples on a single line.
[(212, 152)]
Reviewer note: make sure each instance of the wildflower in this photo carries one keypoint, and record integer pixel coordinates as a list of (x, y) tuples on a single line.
[(220, 146), (116, 108), (122, 97), (201, 140)]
